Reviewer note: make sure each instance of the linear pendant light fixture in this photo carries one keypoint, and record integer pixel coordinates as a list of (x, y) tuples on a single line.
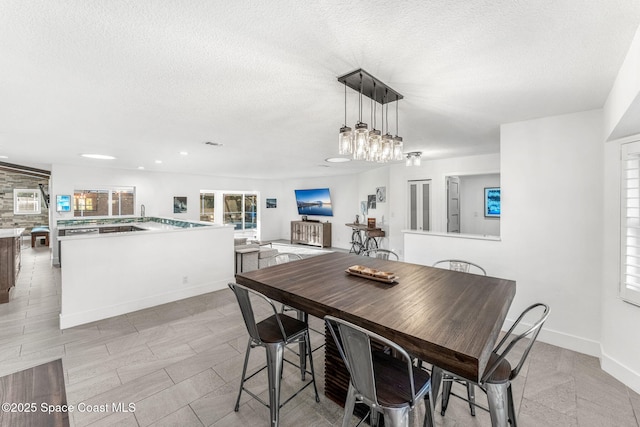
[(361, 143)]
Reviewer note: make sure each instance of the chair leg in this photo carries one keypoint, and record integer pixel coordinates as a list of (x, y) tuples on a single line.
[(374, 416), (512, 408), (275, 356), (397, 417), (244, 372), (349, 405), (446, 392), (498, 404), (302, 351), (313, 372), (429, 404), (471, 396)]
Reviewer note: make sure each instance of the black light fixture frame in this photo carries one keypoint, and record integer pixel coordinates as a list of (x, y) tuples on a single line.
[(371, 86)]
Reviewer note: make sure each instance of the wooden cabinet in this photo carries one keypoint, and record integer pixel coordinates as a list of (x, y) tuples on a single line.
[(9, 265), (311, 233)]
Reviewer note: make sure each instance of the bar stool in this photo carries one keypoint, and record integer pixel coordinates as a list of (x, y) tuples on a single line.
[(497, 377), (273, 333), (381, 254), (384, 383), (447, 380)]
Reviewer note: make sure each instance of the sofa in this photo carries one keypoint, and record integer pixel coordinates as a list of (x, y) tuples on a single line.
[(251, 256)]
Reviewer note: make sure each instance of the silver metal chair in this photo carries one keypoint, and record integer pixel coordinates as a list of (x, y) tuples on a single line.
[(384, 383), (459, 265), (447, 380), (497, 377), (284, 257), (382, 254), (273, 333)]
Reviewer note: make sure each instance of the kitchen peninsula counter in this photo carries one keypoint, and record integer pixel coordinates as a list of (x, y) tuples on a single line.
[(109, 273)]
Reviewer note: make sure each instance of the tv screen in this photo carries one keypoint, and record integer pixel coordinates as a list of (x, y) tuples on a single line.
[(63, 203), (314, 202)]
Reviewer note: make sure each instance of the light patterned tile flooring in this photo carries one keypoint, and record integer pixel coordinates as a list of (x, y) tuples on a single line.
[(180, 365)]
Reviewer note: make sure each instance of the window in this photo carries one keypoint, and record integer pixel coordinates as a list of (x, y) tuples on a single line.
[(630, 223), (26, 202), (104, 202), (207, 206), (241, 210)]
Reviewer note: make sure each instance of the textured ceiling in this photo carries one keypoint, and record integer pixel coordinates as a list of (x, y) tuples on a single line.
[(144, 80)]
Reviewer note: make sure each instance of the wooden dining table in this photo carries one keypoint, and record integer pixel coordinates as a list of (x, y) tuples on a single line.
[(447, 318)]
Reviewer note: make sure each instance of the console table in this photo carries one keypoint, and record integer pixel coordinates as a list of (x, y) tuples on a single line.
[(311, 233)]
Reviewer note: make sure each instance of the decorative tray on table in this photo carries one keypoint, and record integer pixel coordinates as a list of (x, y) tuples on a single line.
[(372, 273)]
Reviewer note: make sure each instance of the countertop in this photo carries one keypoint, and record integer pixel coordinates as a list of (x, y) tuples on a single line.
[(147, 227), (10, 232)]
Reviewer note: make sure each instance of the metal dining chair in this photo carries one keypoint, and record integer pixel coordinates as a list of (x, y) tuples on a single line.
[(382, 254), (497, 376), (283, 258), (447, 380), (459, 265), (273, 333), (385, 383)]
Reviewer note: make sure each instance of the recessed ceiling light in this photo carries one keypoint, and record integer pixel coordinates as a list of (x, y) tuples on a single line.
[(98, 156), (4, 157), (158, 161), (184, 153), (215, 144), (141, 167), (337, 159)]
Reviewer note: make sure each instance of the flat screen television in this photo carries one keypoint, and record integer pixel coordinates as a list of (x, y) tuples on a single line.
[(315, 201)]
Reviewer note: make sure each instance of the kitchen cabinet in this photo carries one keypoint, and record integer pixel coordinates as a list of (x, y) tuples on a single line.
[(9, 264)]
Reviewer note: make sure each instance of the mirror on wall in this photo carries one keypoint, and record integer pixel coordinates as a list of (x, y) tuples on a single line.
[(473, 204)]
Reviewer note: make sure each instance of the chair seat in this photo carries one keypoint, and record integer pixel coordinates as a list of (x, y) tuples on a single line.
[(392, 381), (269, 330), (502, 374)]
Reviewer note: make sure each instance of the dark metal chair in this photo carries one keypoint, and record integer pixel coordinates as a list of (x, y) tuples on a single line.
[(497, 376), (273, 333), (384, 383), (382, 254)]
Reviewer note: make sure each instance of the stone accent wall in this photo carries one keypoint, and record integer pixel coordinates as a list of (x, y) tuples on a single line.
[(8, 182)]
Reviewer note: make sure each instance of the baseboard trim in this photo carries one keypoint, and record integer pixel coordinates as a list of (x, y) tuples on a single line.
[(88, 316), (622, 373), (563, 340)]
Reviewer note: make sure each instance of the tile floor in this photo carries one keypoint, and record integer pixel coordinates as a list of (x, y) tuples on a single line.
[(180, 364)]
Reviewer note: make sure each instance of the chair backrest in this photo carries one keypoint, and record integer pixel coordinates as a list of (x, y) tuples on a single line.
[(243, 295), (382, 254), (459, 265), (283, 257), (354, 346), (532, 332)]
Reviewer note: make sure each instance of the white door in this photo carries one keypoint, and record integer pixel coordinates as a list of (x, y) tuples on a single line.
[(453, 204), (419, 193)]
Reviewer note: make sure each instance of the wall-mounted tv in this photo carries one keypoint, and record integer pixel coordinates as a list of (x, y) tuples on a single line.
[(314, 202)]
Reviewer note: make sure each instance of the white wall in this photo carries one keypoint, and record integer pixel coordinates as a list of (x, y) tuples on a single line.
[(344, 198), (472, 219), (436, 171), (551, 242)]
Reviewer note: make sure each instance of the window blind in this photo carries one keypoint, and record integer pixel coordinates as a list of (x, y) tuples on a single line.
[(630, 223)]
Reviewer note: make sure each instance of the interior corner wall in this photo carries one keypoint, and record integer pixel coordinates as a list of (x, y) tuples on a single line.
[(552, 221), (620, 336)]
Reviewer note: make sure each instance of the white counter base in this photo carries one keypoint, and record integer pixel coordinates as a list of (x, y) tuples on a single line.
[(106, 277)]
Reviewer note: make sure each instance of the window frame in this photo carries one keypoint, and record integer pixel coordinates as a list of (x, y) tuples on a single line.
[(110, 190), (629, 235), (38, 200)]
